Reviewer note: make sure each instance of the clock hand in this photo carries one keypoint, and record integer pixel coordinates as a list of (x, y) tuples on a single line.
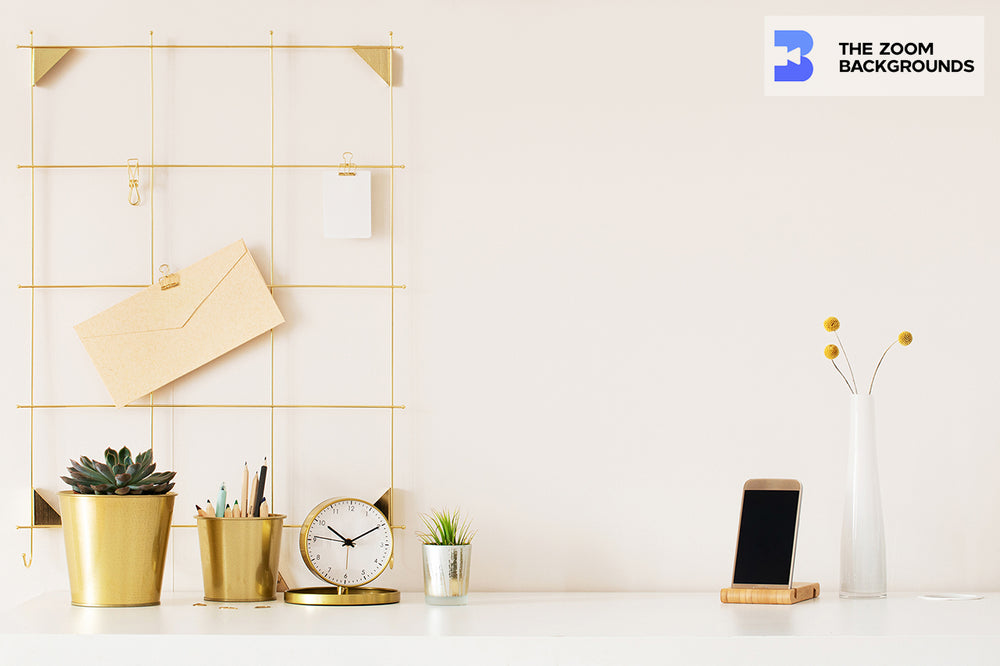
[(344, 540), (327, 538), (366, 533)]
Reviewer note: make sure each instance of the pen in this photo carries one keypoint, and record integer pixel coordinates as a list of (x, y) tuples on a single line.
[(260, 489)]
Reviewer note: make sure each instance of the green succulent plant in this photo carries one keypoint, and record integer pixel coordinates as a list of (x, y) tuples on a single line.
[(446, 528), (119, 475)]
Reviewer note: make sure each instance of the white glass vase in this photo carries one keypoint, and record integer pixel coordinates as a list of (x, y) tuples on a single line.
[(862, 542)]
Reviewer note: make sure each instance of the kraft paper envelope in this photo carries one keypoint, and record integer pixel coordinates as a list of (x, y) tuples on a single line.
[(158, 335)]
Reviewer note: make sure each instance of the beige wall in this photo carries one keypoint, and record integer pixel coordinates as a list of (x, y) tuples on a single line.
[(618, 255)]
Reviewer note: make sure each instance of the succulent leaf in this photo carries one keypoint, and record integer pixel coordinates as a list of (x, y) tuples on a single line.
[(88, 472), (111, 456), (105, 470), (125, 456), (159, 478)]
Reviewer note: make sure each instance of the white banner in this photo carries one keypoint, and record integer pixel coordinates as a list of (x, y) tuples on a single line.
[(874, 56)]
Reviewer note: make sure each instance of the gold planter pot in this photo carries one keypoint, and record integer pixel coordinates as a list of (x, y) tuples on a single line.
[(239, 557), (116, 547)]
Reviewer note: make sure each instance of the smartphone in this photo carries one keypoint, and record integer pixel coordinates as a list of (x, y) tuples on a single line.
[(769, 525)]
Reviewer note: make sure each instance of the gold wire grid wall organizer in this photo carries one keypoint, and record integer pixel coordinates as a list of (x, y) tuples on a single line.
[(43, 59)]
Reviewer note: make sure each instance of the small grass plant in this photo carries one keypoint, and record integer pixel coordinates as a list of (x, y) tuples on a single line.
[(446, 528)]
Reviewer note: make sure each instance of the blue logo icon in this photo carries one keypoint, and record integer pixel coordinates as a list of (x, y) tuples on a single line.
[(797, 44)]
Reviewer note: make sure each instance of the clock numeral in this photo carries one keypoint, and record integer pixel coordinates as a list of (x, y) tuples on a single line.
[(321, 522)]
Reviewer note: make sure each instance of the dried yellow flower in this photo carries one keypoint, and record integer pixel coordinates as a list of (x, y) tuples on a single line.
[(905, 338), (831, 324), (831, 352)]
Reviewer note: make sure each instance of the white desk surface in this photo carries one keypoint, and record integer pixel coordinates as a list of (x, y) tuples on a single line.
[(512, 628)]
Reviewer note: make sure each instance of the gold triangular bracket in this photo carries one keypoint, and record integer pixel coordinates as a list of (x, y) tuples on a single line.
[(44, 513), (382, 504), (44, 58), (377, 59)]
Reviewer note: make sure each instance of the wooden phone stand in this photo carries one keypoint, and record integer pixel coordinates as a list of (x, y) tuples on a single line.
[(793, 595)]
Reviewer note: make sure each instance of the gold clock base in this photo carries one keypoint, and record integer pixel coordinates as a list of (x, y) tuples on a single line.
[(341, 596)]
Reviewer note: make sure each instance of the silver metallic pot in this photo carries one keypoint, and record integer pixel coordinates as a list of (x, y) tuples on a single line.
[(446, 574)]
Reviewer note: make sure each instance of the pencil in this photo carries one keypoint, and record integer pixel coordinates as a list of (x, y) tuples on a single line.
[(237, 513), (265, 510), (201, 511), (209, 509), (246, 480), (252, 500), (229, 512)]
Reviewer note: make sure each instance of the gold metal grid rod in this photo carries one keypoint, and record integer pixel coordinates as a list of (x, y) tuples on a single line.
[(202, 405), (212, 166), (208, 46), (80, 286), (270, 61), (270, 286), (28, 558), (392, 311), (152, 226), (188, 525)]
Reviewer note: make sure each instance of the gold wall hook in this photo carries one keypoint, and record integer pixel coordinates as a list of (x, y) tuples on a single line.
[(169, 280), (348, 167), (133, 181)]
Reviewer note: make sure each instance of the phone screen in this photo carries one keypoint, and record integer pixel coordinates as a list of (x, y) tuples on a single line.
[(765, 548)]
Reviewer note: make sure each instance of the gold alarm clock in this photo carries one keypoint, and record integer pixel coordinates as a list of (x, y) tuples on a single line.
[(346, 542)]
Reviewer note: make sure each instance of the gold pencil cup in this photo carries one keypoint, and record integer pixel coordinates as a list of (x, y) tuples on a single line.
[(239, 557), (116, 547)]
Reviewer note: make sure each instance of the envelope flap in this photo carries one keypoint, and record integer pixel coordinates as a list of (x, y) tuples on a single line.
[(155, 309)]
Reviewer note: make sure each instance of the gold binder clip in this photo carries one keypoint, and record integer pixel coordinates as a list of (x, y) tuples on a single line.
[(133, 181), (169, 280), (348, 168)]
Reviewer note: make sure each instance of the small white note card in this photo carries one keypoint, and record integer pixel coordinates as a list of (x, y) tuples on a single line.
[(347, 205)]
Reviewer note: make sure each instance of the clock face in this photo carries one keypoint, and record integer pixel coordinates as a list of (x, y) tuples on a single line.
[(346, 542)]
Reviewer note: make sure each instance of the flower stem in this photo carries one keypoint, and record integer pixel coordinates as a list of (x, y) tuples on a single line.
[(842, 375), (848, 361), (877, 366)]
